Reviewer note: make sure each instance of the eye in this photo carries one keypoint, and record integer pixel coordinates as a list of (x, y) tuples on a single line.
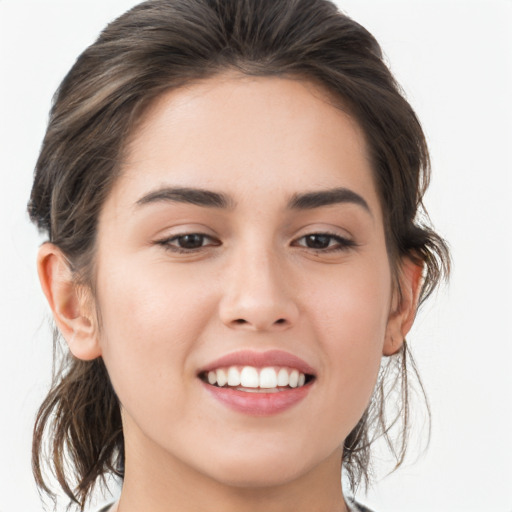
[(188, 242), (325, 242)]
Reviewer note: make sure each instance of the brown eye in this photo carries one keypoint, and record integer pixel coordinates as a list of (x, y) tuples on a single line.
[(325, 242), (188, 242), (192, 241), (318, 241)]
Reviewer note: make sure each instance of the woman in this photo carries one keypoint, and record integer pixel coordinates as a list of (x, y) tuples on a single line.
[(231, 192)]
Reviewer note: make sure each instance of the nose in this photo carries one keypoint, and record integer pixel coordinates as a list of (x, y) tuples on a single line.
[(257, 295)]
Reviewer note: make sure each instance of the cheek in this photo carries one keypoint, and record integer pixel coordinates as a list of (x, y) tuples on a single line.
[(151, 321), (352, 307), (350, 318)]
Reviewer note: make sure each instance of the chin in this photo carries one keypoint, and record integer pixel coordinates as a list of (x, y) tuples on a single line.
[(255, 478), (259, 470)]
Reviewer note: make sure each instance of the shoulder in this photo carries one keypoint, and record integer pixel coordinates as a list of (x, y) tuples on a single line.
[(361, 508), (356, 507), (107, 508)]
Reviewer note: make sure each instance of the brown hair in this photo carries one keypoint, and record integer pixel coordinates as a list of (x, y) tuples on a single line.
[(164, 44)]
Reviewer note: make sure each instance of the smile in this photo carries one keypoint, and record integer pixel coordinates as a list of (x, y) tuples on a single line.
[(258, 383), (251, 379)]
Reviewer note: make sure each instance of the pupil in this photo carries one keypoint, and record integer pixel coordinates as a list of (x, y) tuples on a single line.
[(318, 241), (191, 241)]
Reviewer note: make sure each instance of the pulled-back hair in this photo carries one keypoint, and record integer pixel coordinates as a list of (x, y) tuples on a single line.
[(161, 45)]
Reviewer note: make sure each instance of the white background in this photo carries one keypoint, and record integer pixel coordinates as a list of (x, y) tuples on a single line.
[(454, 60)]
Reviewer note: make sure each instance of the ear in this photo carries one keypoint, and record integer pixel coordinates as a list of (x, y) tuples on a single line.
[(404, 306), (73, 314)]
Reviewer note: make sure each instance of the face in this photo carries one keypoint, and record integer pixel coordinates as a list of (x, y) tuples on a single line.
[(244, 231)]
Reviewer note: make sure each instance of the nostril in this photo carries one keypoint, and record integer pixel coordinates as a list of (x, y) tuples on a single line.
[(279, 323)]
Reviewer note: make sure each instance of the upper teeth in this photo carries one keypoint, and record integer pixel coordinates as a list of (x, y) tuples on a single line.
[(251, 377)]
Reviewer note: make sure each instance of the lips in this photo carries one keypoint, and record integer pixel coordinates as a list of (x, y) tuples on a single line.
[(260, 360), (260, 401)]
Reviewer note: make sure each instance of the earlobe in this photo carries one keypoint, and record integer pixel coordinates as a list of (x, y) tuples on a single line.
[(72, 316), (405, 304)]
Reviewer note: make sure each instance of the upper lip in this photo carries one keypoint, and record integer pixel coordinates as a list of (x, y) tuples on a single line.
[(260, 359)]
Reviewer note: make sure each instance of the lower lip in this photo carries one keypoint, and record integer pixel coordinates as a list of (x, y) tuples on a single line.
[(259, 404)]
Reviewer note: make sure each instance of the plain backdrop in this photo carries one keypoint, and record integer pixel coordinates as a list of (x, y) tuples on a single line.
[(454, 61)]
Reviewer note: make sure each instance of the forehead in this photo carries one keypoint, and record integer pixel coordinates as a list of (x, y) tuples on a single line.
[(244, 135)]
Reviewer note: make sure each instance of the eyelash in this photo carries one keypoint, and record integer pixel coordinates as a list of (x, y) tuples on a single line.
[(342, 244), (167, 243)]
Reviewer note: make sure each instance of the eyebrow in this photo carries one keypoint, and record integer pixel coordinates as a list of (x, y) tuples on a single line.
[(211, 199), (317, 199), (196, 196)]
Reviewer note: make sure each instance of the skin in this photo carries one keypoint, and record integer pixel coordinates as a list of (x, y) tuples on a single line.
[(254, 284)]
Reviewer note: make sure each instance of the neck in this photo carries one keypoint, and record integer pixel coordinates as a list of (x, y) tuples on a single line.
[(161, 483)]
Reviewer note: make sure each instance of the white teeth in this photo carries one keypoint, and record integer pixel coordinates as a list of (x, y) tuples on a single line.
[(268, 378), (233, 376), (294, 379), (249, 377), (222, 378), (282, 377)]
